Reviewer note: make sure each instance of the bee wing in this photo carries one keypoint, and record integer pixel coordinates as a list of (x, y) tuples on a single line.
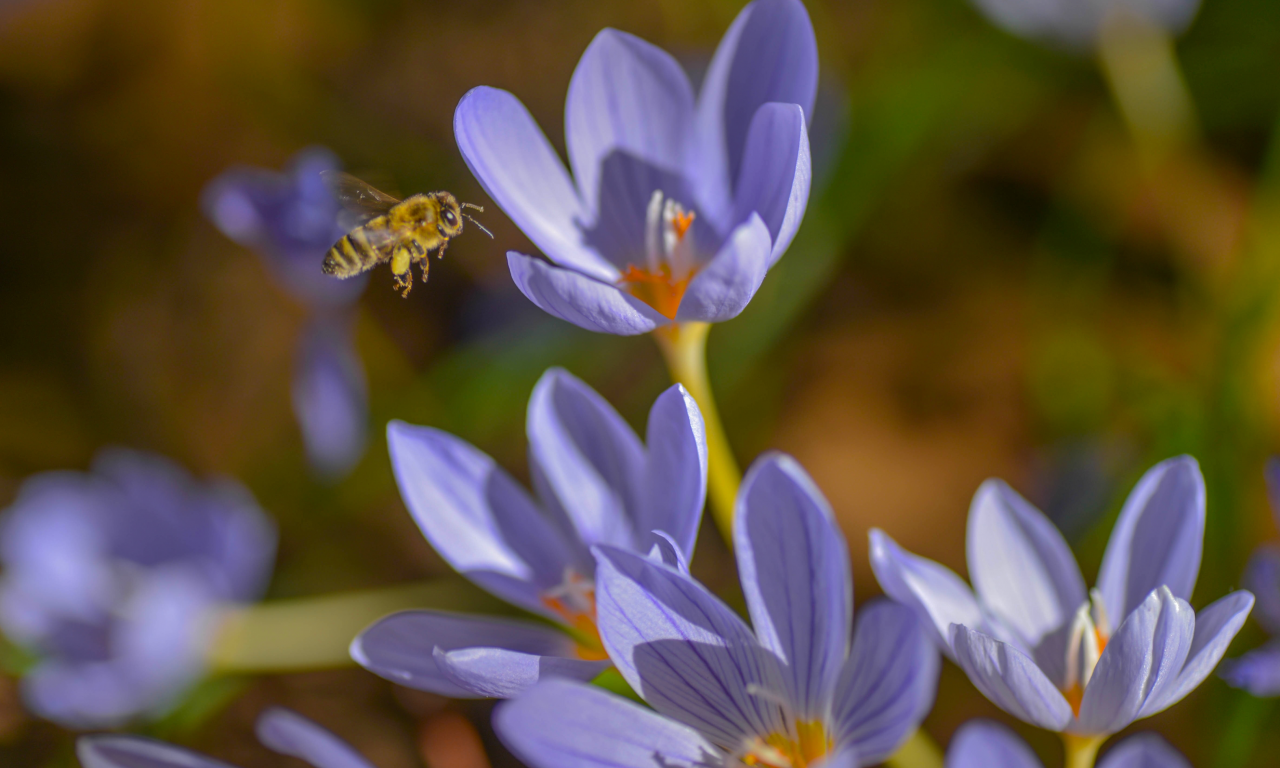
[(359, 198)]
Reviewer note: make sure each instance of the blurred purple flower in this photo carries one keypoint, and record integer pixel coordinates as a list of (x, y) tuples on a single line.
[(329, 397), (281, 730), (1077, 23), (677, 208), (1258, 671), (114, 578), (986, 744), (798, 690), (1042, 649), (595, 482)]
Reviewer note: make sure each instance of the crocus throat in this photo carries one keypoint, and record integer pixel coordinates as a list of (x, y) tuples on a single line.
[(669, 258), (1090, 630), (574, 601), (807, 745)]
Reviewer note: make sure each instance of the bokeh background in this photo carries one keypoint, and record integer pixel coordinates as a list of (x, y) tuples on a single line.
[(989, 282)]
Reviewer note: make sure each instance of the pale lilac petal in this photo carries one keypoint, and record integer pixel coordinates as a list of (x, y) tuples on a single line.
[(1143, 750), (724, 286), (844, 756), (988, 744), (1010, 679), (683, 650), (517, 166), (888, 684), (665, 550), (562, 724), (1262, 578), (1021, 567), (330, 399), (83, 695), (1272, 474), (584, 301), (503, 674), (108, 750), (1215, 627), (933, 591), (775, 173), (289, 733), (1158, 539), (675, 484), (794, 568), (1140, 663), (1257, 672), (401, 647)]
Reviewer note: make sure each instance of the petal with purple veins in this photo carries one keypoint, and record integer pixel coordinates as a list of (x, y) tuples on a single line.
[(503, 674), (584, 301), (776, 173), (289, 733), (675, 482), (723, 287), (1010, 679)]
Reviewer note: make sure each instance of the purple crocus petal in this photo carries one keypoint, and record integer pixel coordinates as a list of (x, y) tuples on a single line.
[(516, 165), (775, 173), (1257, 672), (888, 684), (794, 568), (1021, 567), (1010, 679), (502, 674), (169, 625), (582, 300), (401, 647), (1158, 539), (768, 54), (588, 458), (683, 650), (988, 744), (330, 399), (665, 551), (845, 756), (937, 595), (82, 694), (563, 724), (1140, 663), (725, 285), (289, 733), (1272, 473), (475, 515), (675, 483), (1215, 627), (1262, 578), (1143, 750), (119, 751)]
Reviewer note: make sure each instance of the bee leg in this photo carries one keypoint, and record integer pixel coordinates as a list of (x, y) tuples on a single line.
[(400, 273), (440, 253), (425, 263)]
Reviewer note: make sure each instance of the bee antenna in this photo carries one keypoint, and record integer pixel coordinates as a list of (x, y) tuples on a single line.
[(478, 224), (473, 205)]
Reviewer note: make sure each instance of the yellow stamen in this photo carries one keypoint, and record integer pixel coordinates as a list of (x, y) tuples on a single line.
[(778, 750)]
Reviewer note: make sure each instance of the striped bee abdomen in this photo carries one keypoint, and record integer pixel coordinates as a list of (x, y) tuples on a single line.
[(351, 255)]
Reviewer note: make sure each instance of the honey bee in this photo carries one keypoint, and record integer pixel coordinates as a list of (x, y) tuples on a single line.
[(403, 232)]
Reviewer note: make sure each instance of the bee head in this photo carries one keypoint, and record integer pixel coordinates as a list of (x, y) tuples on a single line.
[(450, 214)]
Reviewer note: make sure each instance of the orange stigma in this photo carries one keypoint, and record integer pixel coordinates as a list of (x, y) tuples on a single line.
[(574, 601), (660, 291)]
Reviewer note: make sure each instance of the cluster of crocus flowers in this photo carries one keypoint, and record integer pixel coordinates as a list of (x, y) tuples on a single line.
[(595, 483), (985, 744), (115, 579), (1258, 671)]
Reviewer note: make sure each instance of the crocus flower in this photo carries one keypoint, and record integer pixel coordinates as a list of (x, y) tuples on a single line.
[(986, 744), (1043, 650), (677, 208), (330, 399), (799, 690), (595, 483), (279, 729), (1258, 671), (114, 578), (1077, 24)]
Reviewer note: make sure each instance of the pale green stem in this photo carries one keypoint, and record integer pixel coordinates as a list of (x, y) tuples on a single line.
[(314, 632), (684, 346), (919, 751), (1081, 751)]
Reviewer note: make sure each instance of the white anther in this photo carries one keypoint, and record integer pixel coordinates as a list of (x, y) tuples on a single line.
[(1100, 621), (577, 592), (1082, 648), (653, 232)]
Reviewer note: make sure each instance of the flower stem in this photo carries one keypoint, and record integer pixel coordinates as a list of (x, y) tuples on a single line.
[(919, 751), (314, 632), (684, 346), (1081, 751)]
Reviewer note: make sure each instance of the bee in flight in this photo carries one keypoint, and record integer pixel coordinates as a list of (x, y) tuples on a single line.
[(403, 232)]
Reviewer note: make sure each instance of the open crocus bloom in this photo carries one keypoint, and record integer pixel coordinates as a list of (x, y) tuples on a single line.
[(1077, 24), (1043, 650), (1258, 671), (986, 744), (596, 483), (677, 208), (800, 690)]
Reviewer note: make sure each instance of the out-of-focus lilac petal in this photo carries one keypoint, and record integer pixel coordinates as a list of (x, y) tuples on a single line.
[(167, 628), (1077, 25), (82, 695), (502, 674), (665, 550), (1021, 567), (675, 485), (330, 399), (725, 285), (933, 591), (588, 457), (794, 568), (1272, 474), (1215, 627), (109, 750), (888, 684), (516, 165), (289, 733), (401, 646), (562, 724), (1257, 672), (1010, 679), (472, 512), (768, 54), (683, 650), (1262, 578), (1143, 750), (1158, 539), (988, 744), (775, 173), (582, 300), (1140, 663)]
